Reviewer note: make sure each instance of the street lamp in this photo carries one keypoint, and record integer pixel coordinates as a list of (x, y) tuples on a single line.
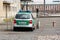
[(44, 7), (25, 3)]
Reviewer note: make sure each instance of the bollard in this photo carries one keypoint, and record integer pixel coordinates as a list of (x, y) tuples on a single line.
[(53, 23)]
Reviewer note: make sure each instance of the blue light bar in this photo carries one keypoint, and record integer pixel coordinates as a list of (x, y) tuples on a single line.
[(20, 11)]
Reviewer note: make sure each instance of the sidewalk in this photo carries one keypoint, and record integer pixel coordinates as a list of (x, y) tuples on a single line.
[(49, 37), (49, 33)]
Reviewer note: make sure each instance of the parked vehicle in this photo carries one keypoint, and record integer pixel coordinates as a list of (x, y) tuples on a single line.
[(24, 20)]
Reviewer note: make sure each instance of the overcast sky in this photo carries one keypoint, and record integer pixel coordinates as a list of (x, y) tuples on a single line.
[(47, 1), (42, 1)]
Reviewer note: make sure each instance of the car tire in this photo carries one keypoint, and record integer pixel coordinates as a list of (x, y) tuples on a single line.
[(32, 29), (14, 29)]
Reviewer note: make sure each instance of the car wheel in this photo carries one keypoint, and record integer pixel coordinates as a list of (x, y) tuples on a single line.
[(14, 29), (32, 29)]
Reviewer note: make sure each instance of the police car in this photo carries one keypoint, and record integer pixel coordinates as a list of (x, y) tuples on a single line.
[(24, 19)]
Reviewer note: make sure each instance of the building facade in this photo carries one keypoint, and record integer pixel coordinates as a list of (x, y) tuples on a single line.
[(49, 8), (8, 8)]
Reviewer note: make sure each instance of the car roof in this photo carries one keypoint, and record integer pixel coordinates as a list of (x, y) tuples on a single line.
[(24, 12)]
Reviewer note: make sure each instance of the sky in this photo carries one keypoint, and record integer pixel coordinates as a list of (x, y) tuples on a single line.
[(42, 1), (47, 1)]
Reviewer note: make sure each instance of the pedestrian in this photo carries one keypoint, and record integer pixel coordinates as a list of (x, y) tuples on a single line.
[(37, 11)]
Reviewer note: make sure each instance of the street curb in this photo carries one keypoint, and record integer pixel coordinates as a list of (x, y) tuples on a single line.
[(48, 16)]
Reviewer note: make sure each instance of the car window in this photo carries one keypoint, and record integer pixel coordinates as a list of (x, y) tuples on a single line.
[(22, 16)]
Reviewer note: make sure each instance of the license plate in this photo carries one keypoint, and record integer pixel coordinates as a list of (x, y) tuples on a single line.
[(22, 23)]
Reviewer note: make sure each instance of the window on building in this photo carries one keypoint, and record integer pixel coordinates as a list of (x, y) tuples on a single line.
[(6, 6)]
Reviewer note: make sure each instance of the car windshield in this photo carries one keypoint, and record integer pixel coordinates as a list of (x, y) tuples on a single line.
[(22, 16)]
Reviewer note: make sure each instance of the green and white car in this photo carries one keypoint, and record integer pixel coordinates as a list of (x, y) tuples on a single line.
[(24, 20)]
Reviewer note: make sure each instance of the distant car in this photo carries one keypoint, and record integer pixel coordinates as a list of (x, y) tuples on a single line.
[(24, 20)]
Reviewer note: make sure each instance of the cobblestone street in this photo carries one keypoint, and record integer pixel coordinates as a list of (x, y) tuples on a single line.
[(46, 31), (41, 16)]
